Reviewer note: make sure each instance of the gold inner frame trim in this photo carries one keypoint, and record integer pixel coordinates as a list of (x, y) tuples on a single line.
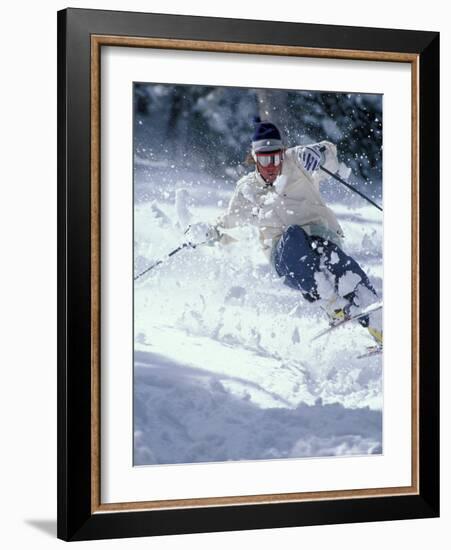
[(97, 41)]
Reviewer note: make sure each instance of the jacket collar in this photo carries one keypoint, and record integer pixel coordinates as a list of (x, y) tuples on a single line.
[(261, 182)]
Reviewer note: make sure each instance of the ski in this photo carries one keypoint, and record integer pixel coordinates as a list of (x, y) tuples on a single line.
[(370, 352), (366, 311)]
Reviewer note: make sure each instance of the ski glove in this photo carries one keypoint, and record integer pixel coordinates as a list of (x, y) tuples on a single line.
[(201, 233), (311, 158)]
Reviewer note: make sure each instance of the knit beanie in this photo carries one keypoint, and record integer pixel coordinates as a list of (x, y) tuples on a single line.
[(266, 137)]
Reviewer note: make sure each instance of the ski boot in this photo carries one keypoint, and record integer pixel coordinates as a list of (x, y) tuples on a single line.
[(338, 312)]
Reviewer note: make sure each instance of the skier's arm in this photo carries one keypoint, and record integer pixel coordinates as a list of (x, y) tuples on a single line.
[(240, 211)]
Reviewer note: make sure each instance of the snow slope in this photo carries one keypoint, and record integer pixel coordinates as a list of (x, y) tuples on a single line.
[(224, 364)]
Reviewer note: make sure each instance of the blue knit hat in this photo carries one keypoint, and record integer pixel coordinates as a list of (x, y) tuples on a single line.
[(266, 137)]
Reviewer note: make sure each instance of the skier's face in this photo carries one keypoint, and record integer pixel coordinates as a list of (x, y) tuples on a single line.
[(269, 165)]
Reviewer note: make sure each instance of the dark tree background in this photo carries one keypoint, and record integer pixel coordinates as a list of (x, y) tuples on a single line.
[(209, 128)]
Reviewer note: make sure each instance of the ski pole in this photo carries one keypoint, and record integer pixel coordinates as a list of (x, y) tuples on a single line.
[(347, 184), (158, 262), (350, 187)]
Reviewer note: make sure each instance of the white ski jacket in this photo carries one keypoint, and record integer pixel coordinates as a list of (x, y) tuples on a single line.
[(293, 199)]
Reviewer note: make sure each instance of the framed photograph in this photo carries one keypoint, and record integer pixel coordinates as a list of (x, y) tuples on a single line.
[(248, 274)]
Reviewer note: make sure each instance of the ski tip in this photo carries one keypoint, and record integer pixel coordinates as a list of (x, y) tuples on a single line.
[(370, 352)]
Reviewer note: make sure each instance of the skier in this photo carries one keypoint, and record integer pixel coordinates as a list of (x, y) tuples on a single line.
[(298, 232)]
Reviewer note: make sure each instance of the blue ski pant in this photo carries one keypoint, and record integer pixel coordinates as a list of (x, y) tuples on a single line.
[(298, 257)]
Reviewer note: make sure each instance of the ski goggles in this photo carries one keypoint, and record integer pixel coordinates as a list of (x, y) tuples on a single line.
[(270, 157)]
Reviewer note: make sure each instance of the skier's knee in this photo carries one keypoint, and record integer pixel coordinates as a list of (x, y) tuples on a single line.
[(295, 230)]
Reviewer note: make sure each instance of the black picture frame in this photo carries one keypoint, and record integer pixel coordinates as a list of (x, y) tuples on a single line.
[(77, 520)]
